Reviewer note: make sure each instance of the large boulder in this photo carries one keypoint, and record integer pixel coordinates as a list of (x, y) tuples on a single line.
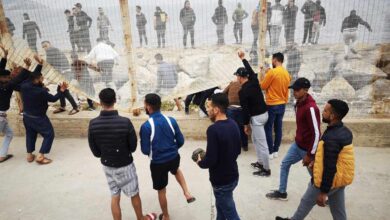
[(196, 65), (338, 88), (359, 73), (381, 89), (146, 80)]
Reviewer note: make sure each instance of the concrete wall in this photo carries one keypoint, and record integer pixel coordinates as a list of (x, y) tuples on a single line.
[(367, 132)]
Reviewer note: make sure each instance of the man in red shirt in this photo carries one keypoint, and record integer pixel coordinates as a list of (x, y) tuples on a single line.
[(307, 135)]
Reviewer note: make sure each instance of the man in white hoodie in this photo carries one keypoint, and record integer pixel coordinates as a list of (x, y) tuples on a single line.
[(276, 23)]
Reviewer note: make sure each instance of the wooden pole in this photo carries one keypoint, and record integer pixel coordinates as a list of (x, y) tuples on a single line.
[(5, 36), (262, 16), (126, 24)]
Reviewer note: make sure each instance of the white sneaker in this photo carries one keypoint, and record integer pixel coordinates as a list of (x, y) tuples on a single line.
[(202, 114), (271, 156), (275, 155)]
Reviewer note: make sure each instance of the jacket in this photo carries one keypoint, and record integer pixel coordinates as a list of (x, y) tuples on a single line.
[(251, 97), (57, 59), (308, 10), (163, 142), (220, 16), (276, 83), (141, 21), (290, 17), (334, 164), (308, 125), (83, 20), (112, 138), (187, 17), (353, 21)]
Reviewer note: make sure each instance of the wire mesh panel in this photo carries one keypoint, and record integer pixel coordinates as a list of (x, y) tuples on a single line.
[(183, 47)]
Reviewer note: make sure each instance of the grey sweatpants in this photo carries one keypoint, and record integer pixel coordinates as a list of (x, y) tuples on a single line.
[(259, 139), (336, 203)]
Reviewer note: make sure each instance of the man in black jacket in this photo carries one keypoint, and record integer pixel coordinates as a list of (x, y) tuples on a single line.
[(112, 138), (83, 22), (7, 87), (220, 19), (71, 25), (140, 23), (289, 21), (187, 20), (333, 177), (255, 115)]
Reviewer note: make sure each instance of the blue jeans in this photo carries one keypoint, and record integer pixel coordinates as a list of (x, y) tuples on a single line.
[(293, 156), (38, 125), (275, 121), (8, 134), (336, 198), (236, 115), (226, 208)]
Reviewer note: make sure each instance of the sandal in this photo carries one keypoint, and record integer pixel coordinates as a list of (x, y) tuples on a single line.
[(58, 110), (31, 158), (9, 156), (44, 161), (161, 216), (152, 216), (73, 111), (190, 200)]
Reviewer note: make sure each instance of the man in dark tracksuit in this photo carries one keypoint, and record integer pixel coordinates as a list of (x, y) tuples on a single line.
[(140, 23), (84, 22), (7, 86), (30, 29), (336, 148), (160, 25), (71, 31), (308, 10), (35, 104), (289, 21), (220, 19), (187, 19), (238, 16)]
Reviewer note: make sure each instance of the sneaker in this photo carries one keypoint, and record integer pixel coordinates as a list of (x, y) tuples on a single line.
[(280, 218), (262, 172), (275, 155), (257, 165), (271, 156), (276, 195), (91, 109)]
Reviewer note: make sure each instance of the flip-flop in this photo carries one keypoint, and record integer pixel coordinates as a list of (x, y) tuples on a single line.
[(152, 216), (190, 200), (9, 156), (59, 110), (44, 161), (31, 159), (73, 111)]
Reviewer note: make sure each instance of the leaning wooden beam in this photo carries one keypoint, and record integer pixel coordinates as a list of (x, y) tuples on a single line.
[(126, 25), (262, 16), (5, 36)]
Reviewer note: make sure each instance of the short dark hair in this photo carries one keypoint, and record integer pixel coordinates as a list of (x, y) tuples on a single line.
[(158, 56), (278, 56), (107, 97), (339, 108), (45, 41), (99, 39), (67, 11), (154, 101), (221, 101), (35, 75), (138, 7)]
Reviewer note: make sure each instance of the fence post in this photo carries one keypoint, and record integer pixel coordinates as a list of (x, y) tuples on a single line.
[(3, 25), (262, 16), (126, 25)]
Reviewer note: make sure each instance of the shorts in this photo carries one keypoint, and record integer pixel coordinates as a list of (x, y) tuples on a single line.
[(122, 179), (160, 172)]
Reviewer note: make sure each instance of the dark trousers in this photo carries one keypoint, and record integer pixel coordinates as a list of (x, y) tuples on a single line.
[(90, 103), (69, 97), (32, 43), (84, 40), (161, 37), (255, 31), (187, 29), (106, 67), (238, 29), (308, 26), (195, 98), (142, 33), (274, 123), (236, 115), (38, 125), (224, 202), (289, 34), (221, 34)]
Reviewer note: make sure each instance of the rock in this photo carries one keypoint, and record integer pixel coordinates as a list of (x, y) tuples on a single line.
[(146, 80), (365, 93), (226, 72), (359, 73), (195, 65), (338, 88), (307, 72), (381, 89), (184, 82), (386, 69)]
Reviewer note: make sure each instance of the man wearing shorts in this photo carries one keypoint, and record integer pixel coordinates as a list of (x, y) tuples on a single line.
[(161, 139), (112, 138)]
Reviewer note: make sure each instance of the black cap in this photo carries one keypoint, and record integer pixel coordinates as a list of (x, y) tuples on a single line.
[(241, 72), (5, 73), (300, 83), (78, 5)]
